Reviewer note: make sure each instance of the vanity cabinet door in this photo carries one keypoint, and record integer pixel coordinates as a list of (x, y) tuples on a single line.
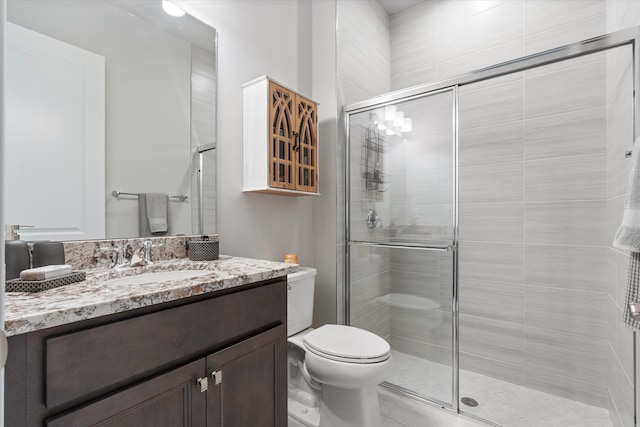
[(173, 399), (248, 382)]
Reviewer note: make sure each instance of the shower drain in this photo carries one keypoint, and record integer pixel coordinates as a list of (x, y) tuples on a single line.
[(469, 401)]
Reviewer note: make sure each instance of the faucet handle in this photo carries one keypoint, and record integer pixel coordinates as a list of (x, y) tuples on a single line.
[(146, 247), (114, 248)]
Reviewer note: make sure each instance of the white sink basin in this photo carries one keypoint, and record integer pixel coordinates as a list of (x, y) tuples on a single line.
[(158, 276)]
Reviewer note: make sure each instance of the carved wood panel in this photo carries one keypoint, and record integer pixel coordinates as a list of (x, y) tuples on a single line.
[(307, 145), (281, 144)]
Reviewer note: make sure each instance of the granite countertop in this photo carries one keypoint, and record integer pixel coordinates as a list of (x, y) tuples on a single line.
[(26, 312)]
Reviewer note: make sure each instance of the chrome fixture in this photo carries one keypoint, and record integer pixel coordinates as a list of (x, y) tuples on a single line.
[(117, 194), (146, 248), (123, 255), (373, 219)]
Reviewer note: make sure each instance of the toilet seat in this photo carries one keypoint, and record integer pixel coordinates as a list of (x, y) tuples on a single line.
[(347, 344)]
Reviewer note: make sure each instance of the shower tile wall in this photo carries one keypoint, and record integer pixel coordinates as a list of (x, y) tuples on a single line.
[(620, 14), (362, 72), (533, 231), (537, 281)]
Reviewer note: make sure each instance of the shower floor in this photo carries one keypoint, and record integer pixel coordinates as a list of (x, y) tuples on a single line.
[(499, 401)]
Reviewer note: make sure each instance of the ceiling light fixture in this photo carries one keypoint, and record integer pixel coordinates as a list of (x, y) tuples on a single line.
[(171, 8)]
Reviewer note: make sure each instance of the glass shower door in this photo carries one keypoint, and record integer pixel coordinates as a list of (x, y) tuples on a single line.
[(400, 236)]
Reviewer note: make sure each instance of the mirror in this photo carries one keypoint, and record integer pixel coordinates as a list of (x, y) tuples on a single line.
[(69, 151)]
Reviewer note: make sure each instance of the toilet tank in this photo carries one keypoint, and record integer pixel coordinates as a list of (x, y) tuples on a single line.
[(300, 286)]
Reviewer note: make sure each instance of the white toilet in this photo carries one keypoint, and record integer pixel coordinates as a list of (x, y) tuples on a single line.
[(333, 370)]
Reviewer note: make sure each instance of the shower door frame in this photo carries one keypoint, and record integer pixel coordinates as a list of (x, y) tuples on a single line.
[(626, 37)]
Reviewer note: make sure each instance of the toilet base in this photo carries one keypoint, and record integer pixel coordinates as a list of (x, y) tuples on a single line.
[(300, 415), (341, 407)]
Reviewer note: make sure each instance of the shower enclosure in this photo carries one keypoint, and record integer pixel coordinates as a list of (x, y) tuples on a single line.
[(480, 213)]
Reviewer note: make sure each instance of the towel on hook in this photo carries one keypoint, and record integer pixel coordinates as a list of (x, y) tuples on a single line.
[(628, 237), (153, 209)]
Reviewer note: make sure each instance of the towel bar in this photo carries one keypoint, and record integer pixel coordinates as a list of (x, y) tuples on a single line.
[(117, 194)]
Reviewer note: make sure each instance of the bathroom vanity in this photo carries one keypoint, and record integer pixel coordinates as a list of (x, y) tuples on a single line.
[(204, 351)]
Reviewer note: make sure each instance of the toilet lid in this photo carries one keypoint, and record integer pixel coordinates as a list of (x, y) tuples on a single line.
[(347, 344)]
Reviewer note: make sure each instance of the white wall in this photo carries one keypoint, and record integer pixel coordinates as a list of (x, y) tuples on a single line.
[(324, 207), (256, 38)]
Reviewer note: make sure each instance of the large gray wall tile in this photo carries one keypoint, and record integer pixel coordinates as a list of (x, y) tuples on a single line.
[(491, 105), (570, 33), (491, 144), (567, 178), (480, 59), (424, 285), (571, 388), (567, 134), (502, 262), (422, 349), (544, 15), (582, 268), (491, 222), (622, 393), (489, 367), (567, 355), (467, 34), (622, 270), (573, 89), (571, 223), (501, 341), (567, 310), (624, 345), (502, 182), (492, 300)]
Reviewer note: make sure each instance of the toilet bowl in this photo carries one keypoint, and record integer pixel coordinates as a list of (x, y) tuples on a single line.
[(334, 369)]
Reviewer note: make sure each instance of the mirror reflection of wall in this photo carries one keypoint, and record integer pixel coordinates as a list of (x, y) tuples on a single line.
[(160, 89)]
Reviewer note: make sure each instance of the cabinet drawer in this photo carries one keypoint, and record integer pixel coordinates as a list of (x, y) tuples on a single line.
[(106, 357)]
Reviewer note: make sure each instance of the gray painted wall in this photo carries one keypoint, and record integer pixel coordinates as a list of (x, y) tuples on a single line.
[(257, 38)]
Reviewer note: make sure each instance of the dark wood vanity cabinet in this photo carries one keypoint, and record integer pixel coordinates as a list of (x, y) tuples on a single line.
[(217, 360)]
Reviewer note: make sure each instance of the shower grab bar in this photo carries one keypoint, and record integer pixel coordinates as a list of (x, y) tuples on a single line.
[(117, 194), (420, 246)]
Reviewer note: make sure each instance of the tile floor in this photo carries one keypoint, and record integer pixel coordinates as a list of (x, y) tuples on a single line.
[(501, 402), (404, 411)]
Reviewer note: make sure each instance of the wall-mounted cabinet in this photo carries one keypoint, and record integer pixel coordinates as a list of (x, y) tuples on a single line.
[(280, 140)]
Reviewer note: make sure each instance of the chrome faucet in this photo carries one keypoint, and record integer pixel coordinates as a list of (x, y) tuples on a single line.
[(122, 257), (146, 248)]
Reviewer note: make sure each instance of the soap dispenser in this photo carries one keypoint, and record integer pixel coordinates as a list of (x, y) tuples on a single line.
[(16, 252)]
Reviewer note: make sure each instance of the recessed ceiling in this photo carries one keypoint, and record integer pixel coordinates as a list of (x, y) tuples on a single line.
[(395, 6)]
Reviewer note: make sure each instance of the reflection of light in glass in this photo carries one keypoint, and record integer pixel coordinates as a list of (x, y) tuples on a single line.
[(407, 125), (171, 8), (390, 132), (398, 120), (389, 112)]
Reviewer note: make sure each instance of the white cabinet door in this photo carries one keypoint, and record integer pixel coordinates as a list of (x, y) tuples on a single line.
[(54, 140)]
